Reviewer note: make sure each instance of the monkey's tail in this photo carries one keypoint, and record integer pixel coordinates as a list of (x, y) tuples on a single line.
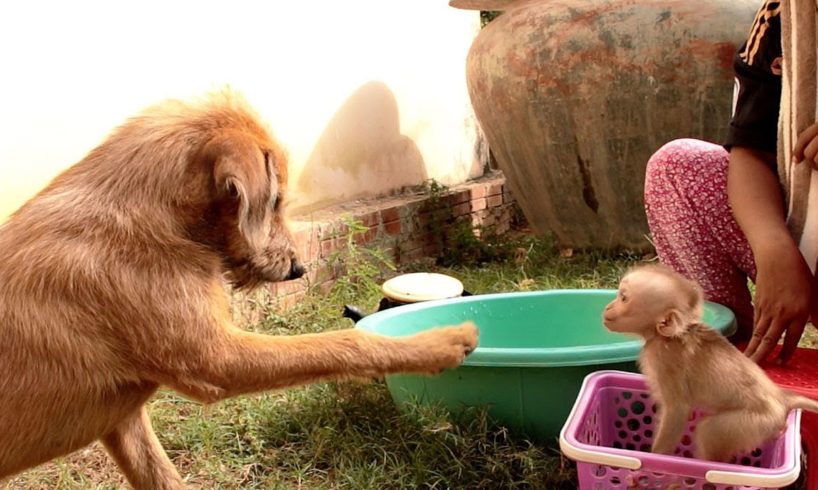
[(797, 401)]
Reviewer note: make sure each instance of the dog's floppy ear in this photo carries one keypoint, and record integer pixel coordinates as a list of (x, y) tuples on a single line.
[(240, 173)]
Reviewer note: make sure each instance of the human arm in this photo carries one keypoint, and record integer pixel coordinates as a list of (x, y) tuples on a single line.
[(806, 147), (806, 152), (783, 279)]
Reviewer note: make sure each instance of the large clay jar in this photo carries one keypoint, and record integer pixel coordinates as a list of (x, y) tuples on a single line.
[(575, 95)]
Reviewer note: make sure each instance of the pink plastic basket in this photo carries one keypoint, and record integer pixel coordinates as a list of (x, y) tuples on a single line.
[(609, 433)]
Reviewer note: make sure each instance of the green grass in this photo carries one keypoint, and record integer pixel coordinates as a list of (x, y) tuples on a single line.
[(350, 435)]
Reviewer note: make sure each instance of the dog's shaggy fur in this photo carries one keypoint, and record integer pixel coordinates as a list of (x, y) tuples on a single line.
[(112, 283)]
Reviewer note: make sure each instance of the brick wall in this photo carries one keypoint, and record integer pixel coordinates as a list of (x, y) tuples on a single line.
[(407, 227)]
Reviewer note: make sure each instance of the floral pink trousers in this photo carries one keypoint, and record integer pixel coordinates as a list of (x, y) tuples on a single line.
[(692, 224)]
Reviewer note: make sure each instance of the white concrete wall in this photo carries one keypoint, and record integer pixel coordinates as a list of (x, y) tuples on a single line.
[(367, 95)]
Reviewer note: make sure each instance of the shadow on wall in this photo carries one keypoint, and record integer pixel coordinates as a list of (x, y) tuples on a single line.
[(361, 153)]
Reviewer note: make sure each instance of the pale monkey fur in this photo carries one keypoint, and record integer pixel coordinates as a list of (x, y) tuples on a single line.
[(689, 365), (112, 284)]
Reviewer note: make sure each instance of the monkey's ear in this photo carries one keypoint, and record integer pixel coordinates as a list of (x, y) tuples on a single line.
[(672, 324)]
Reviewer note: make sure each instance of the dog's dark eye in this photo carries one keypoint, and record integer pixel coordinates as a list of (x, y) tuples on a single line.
[(268, 165), (232, 190)]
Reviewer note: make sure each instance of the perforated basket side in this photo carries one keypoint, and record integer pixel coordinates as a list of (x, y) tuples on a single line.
[(616, 432), (601, 477)]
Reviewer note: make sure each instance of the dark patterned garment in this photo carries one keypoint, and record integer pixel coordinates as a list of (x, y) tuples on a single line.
[(757, 95)]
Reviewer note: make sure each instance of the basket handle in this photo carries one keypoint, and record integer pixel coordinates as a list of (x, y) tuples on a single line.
[(607, 459), (573, 449), (775, 480)]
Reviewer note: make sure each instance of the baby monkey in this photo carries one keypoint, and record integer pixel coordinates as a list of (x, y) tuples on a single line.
[(689, 365)]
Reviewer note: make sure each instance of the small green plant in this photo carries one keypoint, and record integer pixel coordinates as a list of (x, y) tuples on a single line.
[(474, 245), (360, 269), (487, 16), (435, 203), (438, 214), (458, 240), (435, 190)]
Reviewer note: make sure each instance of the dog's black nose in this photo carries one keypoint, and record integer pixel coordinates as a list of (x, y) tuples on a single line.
[(296, 270)]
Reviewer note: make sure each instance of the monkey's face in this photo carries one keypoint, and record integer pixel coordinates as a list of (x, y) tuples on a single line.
[(637, 308)]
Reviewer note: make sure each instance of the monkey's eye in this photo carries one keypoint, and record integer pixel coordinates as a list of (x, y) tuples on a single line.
[(623, 298)]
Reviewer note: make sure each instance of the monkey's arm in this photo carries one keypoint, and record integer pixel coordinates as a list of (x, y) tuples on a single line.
[(671, 426)]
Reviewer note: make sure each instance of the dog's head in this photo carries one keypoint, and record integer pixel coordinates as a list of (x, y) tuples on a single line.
[(246, 173)]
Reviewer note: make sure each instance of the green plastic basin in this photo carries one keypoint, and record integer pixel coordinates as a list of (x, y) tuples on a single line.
[(535, 349)]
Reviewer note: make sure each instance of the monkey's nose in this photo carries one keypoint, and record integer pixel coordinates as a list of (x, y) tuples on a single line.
[(296, 270)]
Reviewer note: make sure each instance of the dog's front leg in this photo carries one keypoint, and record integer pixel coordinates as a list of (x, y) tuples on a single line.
[(245, 362), (139, 455)]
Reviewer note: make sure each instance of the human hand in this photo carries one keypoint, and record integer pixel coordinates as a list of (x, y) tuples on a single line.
[(783, 302), (806, 148)]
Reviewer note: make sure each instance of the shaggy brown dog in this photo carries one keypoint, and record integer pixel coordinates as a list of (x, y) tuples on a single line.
[(111, 284)]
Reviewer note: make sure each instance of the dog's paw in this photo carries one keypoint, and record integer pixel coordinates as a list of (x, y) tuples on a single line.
[(443, 348)]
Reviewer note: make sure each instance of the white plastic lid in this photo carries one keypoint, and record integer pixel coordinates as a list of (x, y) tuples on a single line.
[(422, 286)]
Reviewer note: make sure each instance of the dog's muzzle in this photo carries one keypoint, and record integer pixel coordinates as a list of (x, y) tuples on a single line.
[(296, 270)]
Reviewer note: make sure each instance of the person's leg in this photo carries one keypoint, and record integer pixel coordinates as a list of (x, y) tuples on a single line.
[(693, 227)]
